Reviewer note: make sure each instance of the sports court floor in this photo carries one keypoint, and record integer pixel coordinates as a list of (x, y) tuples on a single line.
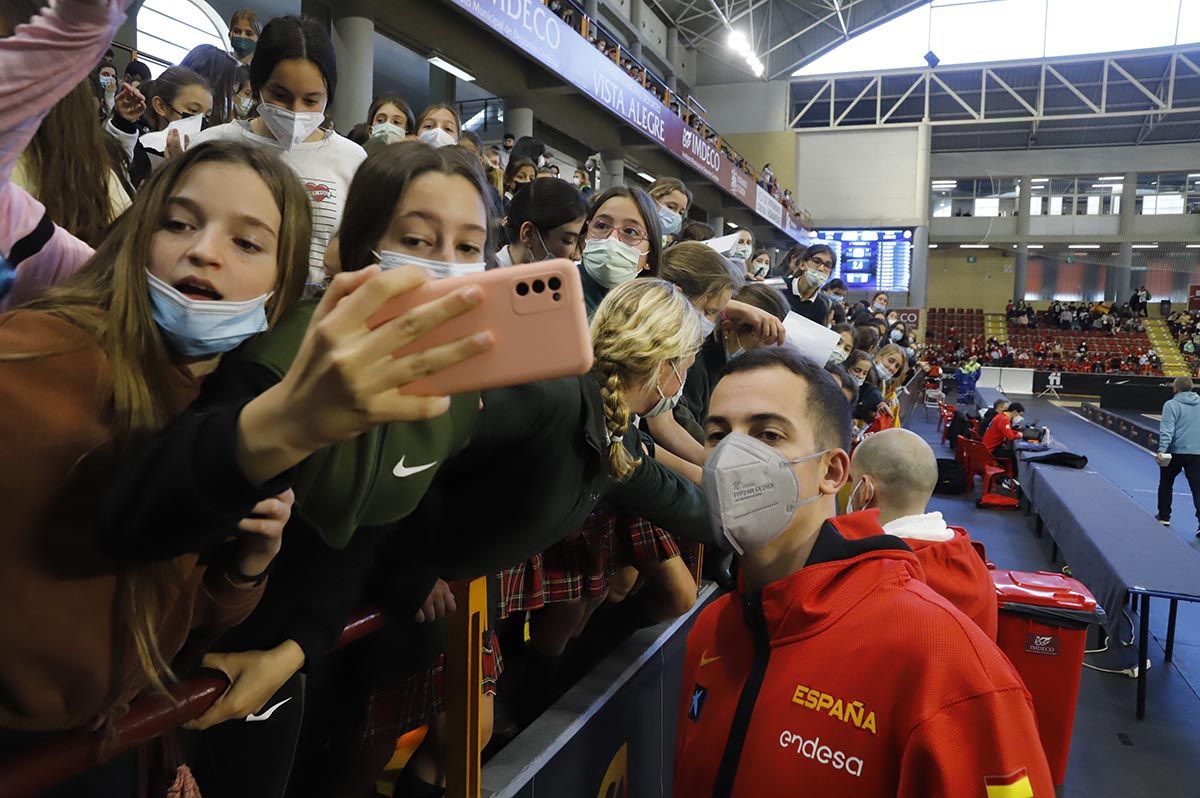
[(1112, 753)]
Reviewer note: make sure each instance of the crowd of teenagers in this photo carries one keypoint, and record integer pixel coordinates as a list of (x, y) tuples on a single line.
[(200, 420)]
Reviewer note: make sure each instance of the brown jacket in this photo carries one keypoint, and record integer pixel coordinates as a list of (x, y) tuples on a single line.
[(65, 660)]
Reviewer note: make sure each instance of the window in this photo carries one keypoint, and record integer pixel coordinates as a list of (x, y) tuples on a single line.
[(1016, 29), (168, 29)]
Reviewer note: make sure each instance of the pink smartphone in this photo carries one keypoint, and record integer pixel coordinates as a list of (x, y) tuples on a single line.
[(535, 313)]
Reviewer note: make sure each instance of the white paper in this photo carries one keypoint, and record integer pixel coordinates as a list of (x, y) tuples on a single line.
[(188, 127), (722, 244), (814, 341)]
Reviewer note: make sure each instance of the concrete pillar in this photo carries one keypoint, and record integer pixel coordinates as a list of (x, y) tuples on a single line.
[(717, 223), (1122, 276), (443, 87), (612, 169), (673, 45), (1021, 268), (354, 48), (635, 50), (592, 8), (518, 119), (918, 268)]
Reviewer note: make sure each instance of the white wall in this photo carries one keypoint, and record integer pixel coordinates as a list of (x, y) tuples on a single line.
[(1082, 161), (746, 107), (867, 177)]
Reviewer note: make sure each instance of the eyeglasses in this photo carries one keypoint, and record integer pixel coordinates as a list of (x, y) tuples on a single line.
[(599, 229), (827, 265)]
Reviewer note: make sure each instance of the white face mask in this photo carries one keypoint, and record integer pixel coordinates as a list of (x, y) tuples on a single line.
[(838, 355), (883, 372), (388, 132), (850, 508), (436, 137), (752, 491), (288, 127), (707, 326), (857, 380), (610, 261), (741, 251), (243, 106), (761, 268), (666, 403), (439, 269)]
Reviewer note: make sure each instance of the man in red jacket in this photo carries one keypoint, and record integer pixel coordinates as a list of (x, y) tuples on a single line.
[(1000, 433), (833, 670), (893, 474)]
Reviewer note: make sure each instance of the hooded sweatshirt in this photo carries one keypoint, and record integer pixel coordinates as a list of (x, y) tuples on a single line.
[(851, 677), (952, 566), (1179, 430)]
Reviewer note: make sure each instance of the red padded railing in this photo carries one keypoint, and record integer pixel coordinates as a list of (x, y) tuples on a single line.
[(71, 753)]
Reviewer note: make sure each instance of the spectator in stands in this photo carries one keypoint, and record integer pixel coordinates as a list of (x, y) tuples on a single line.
[(439, 125), (742, 335), (391, 120), (136, 73), (845, 344), (844, 381), (224, 77), (879, 302), (866, 338), (836, 290), (621, 241), (870, 403), (545, 220), (506, 146), (294, 74), (244, 30), (520, 172), (1179, 447), (531, 148), (759, 266), (696, 231), (893, 474), (743, 248), (580, 181), (673, 199), (891, 366), (1003, 430), (106, 74), (998, 406), (803, 287), (956, 710), (70, 166)]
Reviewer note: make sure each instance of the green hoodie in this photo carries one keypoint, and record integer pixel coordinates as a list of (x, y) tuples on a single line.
[(377, 477)]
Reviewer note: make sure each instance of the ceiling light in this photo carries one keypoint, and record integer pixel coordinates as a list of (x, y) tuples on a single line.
[(1083, 246), (757, 68), (1145, 246), (441, 63), (731, 225), (1196, 174), (973, 246), (1193, 246), (933, 246), (1035, 246), (646, 177), (738, 42), (1112, 177), (1040, 180)]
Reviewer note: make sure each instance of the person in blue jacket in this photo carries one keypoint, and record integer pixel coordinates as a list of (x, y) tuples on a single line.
[(1179, 447)]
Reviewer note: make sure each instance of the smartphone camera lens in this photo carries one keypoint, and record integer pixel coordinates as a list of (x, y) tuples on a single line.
[(554, 283), (538, 286), (557, 296), (522, 289)]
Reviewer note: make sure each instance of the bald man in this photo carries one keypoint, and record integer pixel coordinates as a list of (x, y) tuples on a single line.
[(893, 474)]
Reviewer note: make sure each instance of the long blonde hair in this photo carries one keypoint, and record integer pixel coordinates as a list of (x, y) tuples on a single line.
[(639, 326), (902, 372), (109, 299)]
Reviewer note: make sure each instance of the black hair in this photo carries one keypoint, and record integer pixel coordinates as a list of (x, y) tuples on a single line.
[(167, 86), (828, 410), (508, 135), (515, 165), (649, 213), (840, 374), (695, 231), (764, 297), (247, 16), (381, 181), (224, 76), (360, 134), (866, 337), (294, 37), (996, 404), (1016, 407), (528, 147), (836, 284), (138, 70), (818, 249), (547, 202)]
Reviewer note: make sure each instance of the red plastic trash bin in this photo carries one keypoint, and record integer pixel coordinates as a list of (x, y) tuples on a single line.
[(1043, 625)]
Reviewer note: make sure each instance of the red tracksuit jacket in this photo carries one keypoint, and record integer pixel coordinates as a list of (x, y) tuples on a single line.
[(852, 678), (952, 568)]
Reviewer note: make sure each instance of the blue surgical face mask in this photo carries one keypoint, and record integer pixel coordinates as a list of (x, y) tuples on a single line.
[(611, 261), (666, 403), (439, 269), (883, 372), (707, 326), (896, 335), (670, 220), (203, 328)]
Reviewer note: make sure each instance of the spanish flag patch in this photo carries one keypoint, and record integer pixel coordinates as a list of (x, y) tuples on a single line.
[(1014, 785)]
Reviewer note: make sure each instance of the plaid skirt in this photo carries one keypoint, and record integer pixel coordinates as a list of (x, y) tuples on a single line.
[(639, 541), (579, 566), (413, 699)]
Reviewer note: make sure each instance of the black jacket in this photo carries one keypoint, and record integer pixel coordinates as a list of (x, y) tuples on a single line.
[(701, 379), (815, 310), (869, 398), (534, 470)]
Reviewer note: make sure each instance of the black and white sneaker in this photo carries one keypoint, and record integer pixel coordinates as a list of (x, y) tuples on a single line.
[(1163, 521)]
